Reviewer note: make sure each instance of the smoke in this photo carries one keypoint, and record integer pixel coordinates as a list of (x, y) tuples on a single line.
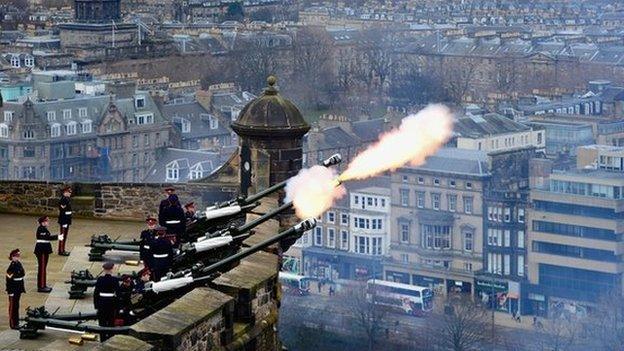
[(418, 137), (314, 190)]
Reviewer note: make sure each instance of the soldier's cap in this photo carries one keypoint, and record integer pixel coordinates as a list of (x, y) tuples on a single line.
[(169, 188), (150, 219), (108, 265), (189, 204), (15, 252), (42, 219), (67, 189)]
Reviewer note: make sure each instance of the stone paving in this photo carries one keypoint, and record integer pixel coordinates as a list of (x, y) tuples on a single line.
[(18, 231)]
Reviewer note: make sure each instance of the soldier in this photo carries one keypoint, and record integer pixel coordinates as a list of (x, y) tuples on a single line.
[(64, 220), (147, 236), (43, 249), (15, 287), (105, 298), (164, 204), (174, 219), (162, 254), (124, 298), (144, 277), (190, 212)]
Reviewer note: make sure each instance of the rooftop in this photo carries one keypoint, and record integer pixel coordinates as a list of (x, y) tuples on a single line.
[(457, 161)]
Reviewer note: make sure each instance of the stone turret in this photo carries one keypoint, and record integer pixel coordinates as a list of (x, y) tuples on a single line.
[(271, 129)]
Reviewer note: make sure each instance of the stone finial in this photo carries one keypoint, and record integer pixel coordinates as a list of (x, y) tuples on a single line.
[(270, 89)]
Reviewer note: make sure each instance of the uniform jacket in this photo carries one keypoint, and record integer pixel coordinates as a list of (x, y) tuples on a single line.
[(15, 278), (147, 236), (65, 211), (105, 285), (43, 235)]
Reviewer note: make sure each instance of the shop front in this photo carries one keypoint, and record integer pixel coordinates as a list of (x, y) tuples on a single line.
[(397, 277), (499, 294), (322, 263), (458, 287)]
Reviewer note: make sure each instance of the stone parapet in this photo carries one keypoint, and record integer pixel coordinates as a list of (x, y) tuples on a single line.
[(124, 343)]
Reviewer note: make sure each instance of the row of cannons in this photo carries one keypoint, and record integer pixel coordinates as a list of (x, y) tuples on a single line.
[(215, 246)]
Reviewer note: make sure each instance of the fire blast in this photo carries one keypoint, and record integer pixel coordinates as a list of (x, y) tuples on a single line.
[(314, 190)]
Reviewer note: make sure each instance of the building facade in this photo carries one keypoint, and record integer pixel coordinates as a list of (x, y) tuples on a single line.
[(437, 221)]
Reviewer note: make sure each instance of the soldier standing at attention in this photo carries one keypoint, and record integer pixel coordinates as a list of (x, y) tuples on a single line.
[(162, 254), (147, 236), (64, 220), (175, 220), (164, 204), (43, 249), (15, 287), (105, 299)]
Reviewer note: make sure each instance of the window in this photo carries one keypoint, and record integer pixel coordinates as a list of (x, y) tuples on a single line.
[(55, 130), (435, 201), (520, 239), (405, 179), (421, 180), (506, 265), (507, 214), (344, 219), (8, 116), (575, 251), (82, 112), (468, 266), (404, 229), (15, 62), (86, 126), (66, 114), (318, 236), (29, 151), (539, 138), (344, 240), (29, 61), (436, 181), (331, 217), (146, 139), (420, 199), (435, 236), (145, 118), (452, 183), (495, 237), (377, 246), (468, 204), (404, 197), (369, 201), (468, 185), (452, 203), (135, 141), (507, 238), (404, 258), (135, 159), (521, 215), (186, 125), (356, 199), (28, 134), (383, 203), (51, 116), (139, 102), (362, 244), (173, 171), (214, 122), (468, 240), (521, 265), (70, 128)]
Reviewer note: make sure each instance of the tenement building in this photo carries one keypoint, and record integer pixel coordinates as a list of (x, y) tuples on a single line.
[(61, 135), (575, 228), (437, 221)]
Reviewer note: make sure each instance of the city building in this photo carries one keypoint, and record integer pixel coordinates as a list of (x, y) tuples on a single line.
[(574, 229), (60, 135), (352, 237), (437, 221), (182, 165)]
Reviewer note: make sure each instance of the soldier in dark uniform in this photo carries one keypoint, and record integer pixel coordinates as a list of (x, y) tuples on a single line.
[(124, 298), (162, 254), (174, 219), (43, 249), (147, 236), (15, 287), (164, 204), (144, 276), (190, 212), (64, 220), (105, 299)]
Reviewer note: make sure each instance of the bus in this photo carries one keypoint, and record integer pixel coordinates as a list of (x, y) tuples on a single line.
[(410, 299), (294, 284)]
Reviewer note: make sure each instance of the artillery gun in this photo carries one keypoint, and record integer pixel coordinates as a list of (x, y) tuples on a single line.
[(157, 294), (217, 218)]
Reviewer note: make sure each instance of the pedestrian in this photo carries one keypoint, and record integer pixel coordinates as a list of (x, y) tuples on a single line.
[(518, 318), (105, 299), (331, 290), (43, 249), (147, 236), (64, 219), (319, 286), (161, 249), (15, 287)]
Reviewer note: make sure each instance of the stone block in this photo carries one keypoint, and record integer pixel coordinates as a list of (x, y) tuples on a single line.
[(124, 343)]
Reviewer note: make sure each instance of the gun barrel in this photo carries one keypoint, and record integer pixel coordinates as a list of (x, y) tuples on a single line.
[(114, 246), (265, 217), (77, 325)]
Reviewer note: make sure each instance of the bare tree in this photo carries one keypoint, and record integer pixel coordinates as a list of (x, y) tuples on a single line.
[(507, 75), (606, 322), (375, 62), (463, 326), (558, 334), (368, 317), (254, 61), (458, 75)]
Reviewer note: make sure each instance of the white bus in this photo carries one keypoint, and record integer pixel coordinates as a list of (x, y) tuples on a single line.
[(410, 299), (294, 284)]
